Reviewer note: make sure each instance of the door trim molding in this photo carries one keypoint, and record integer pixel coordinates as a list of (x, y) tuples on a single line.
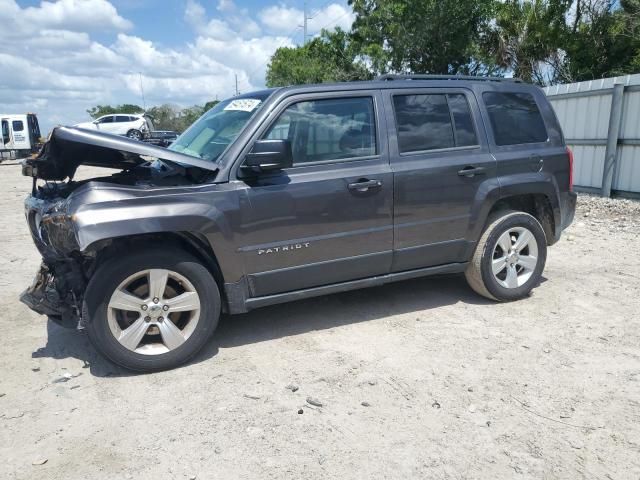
[(252, 303)]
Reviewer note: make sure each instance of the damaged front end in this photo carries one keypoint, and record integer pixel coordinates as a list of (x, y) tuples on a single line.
[(57, 202), (58, 287)]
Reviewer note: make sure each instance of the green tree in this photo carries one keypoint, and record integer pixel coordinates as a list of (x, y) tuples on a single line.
[(164, 117), (171, 117), (331, 57), (187, 117), (604, 40), (421, 36), (209, 105), (525, 38), (100, 110)]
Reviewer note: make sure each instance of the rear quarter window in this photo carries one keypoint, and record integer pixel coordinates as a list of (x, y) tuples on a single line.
[(515, 118)]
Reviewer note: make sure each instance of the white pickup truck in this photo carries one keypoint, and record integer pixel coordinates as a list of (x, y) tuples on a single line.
[(20, 135)]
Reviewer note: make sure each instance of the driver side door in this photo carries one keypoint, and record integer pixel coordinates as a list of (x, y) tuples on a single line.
[(328, 218), (105, 124)]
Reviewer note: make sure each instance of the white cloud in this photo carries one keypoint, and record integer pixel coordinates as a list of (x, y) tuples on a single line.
[(74, 15), (53, 63), (237, 23), (226, 6)]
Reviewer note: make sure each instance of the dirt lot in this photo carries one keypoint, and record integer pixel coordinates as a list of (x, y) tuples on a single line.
[(421, 379)]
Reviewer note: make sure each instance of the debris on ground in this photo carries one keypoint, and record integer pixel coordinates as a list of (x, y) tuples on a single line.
[(314, 401), (252, 396), (66, 377)]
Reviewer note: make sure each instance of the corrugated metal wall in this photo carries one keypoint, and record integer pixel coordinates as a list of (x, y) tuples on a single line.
[(584, 110)]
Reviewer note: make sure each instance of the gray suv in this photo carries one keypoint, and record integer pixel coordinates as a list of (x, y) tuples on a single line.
[(295, 192)]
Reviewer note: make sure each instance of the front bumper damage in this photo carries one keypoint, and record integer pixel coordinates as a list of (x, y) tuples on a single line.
[(45, 297), (58, 288)]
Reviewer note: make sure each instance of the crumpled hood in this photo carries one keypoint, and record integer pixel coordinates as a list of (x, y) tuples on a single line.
[(70, 147)]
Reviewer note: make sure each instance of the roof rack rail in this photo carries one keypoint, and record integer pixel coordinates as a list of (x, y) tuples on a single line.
[(390, 76)]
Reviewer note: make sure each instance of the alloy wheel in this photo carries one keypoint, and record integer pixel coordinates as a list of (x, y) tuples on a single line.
[(153, 311), (515, 257)]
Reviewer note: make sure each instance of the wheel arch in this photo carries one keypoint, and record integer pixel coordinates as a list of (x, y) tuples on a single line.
[(538, 205), (538, 198), (192, 242)]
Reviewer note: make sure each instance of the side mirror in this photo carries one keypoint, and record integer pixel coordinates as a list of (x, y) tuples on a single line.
[(267, 155)]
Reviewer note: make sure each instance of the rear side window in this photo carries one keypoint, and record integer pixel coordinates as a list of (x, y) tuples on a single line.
[(18, 126), (433, 121), (515, 118), (331, 129), (122, 118)]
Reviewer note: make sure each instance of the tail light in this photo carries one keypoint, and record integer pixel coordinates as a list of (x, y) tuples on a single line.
[(570, 155)]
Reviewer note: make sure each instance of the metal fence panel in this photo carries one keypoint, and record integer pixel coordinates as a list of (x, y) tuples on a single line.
[(584, 111)]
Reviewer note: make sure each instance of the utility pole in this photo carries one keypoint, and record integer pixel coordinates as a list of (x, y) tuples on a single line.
[(237, 92), (304, 38)]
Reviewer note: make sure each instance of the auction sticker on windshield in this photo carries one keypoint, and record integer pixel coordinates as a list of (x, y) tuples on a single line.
[(243, 104)]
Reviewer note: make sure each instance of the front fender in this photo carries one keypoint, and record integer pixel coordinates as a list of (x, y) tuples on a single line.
[(205, 214)]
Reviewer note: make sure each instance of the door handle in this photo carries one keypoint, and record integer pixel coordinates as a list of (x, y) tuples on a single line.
[(470, 171), (364, 185)]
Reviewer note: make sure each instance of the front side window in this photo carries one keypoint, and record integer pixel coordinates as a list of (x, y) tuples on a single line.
[(329, 129), (212, 133), (108, 119), (18, 126), (433, 121), (515, 118)]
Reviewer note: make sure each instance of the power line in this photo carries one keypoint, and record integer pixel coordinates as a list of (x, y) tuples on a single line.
[(334, 21), (318, 10)]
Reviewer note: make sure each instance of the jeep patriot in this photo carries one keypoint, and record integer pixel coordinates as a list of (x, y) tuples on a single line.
[(289, 193)]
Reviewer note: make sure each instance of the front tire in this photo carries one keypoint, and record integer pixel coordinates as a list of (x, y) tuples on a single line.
[(509, 258), (151, 310)]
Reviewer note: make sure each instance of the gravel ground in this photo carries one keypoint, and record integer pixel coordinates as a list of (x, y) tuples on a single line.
[(420, 379)]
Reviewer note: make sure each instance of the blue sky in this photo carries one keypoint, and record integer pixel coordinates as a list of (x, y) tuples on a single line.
[(61, 57)]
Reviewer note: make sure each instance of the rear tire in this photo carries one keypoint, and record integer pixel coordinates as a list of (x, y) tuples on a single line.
[(135, 134), (165, 329), (509, 258)]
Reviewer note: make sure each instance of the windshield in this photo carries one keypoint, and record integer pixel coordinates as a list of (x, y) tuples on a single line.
[(212, 133)]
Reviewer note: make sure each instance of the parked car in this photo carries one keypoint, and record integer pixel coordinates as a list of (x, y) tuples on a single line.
[(161, 138), (290, 193), (20, 135), (133, 126)]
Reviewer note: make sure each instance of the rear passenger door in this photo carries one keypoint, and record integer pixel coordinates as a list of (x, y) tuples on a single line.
[(441, 165)]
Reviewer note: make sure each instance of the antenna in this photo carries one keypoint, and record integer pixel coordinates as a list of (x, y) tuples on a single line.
[(144, 104)]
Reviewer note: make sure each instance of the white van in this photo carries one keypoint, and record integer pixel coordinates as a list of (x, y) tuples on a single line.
[(20, 136)]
